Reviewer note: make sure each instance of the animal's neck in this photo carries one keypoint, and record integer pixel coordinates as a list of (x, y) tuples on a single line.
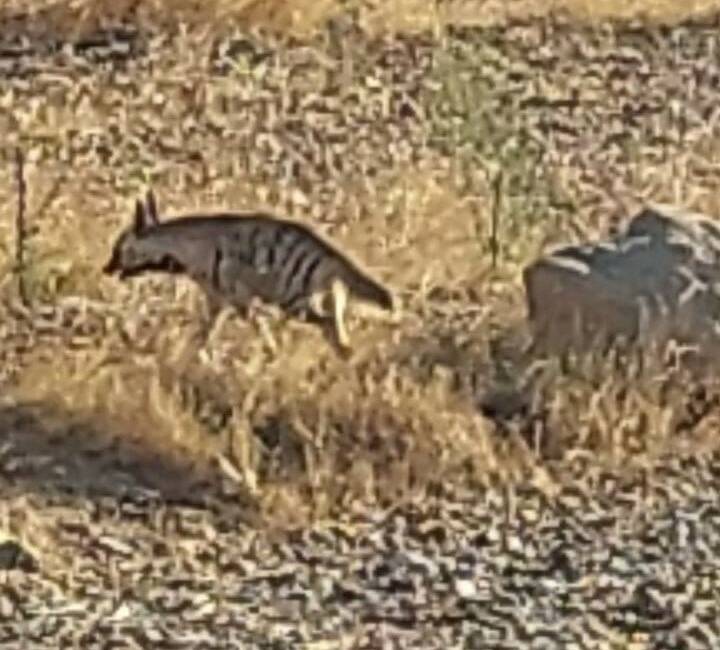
[(187, 252)]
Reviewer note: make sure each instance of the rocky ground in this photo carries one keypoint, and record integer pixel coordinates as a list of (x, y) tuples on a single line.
[(606, 562), (584, 122)]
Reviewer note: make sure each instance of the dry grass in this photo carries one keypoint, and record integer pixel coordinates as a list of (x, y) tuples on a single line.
[(302, 17)]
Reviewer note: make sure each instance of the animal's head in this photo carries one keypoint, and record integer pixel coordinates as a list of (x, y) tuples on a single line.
[(135, 251)]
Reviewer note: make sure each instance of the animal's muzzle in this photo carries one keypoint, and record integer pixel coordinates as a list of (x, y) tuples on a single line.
[(113, 268)]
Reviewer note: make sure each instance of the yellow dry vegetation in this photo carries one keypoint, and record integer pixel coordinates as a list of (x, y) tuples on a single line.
[(301, 17)]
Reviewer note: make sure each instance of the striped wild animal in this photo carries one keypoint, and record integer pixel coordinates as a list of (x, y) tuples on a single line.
[(238, 257)]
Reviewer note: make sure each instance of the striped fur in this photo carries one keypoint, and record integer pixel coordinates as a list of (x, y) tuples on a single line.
[(237, 257)]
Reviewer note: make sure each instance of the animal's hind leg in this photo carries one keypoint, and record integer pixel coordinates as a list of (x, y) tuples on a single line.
[(316, 310), (339, 294)]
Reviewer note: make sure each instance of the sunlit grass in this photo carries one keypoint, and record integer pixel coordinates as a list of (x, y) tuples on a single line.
[(302, 17)]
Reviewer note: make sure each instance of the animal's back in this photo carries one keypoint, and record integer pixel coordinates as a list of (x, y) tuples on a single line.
[(280, 260)]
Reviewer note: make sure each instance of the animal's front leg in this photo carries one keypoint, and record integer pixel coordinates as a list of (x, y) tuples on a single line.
[(222, 316), (239, 300), (245, 301), (252, 308), (209, 316)]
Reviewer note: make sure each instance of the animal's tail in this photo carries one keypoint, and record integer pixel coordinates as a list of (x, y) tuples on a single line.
[(364, 286)]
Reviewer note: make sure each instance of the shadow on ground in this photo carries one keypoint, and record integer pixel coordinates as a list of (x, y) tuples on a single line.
[(46, 450)]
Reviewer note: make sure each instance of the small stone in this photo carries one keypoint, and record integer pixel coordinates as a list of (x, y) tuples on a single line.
[(14, 556), (465, 588)]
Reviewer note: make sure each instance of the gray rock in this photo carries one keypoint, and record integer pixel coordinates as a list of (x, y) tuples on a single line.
[(658, 281)]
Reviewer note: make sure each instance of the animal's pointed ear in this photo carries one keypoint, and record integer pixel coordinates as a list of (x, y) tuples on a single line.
[(151, 213), (139, 218)]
